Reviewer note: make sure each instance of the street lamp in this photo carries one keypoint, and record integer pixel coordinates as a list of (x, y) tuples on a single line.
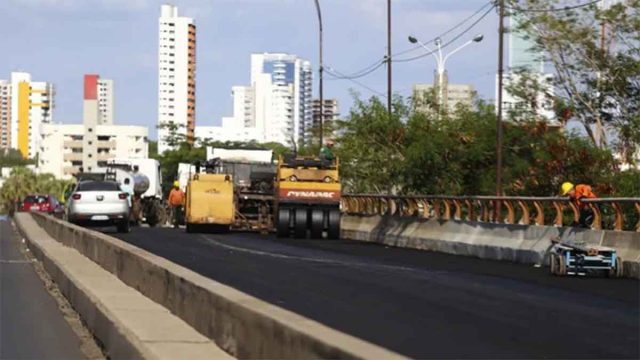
[(320, 70), (441, 60)]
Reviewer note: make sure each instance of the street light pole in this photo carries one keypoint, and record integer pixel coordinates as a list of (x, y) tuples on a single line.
[(442, 60), (389, 95), (499, 117), (321, 71)]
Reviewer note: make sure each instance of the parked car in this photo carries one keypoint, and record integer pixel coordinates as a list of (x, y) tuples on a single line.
[(42, 203), (102, 203)]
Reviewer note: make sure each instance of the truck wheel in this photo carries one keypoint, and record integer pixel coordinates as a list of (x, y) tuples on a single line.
[(300, 226), (333, 230), (553, 263), (317, 223), (562, 265), (619, 267), (284, 220)]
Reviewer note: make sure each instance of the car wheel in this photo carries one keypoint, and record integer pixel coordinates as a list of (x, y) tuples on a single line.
[(124, 226)]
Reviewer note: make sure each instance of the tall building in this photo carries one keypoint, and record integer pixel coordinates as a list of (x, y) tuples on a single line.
[(452, 94), (176, 75), (30, 104), (65, 148), (282, 96), (276, 107), (523, 56), (5, 115), (105, 101), (331, 113)]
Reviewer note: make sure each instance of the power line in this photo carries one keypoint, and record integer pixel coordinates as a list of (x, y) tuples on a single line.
[(564, 8), (351, 77), (466, 30), (341, 76), (376, 65)]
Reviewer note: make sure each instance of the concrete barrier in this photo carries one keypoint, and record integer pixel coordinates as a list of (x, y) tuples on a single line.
[(517, 243), (116, 314), (242, 325)]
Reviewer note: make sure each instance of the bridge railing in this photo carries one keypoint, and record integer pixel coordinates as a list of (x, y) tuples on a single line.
[(609, 213)]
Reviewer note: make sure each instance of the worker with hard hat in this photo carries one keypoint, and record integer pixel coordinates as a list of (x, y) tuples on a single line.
[(176, 201), (326, 153), (577, 193)]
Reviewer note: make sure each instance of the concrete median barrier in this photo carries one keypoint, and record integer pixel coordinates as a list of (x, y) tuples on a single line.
[(242, 325), (127, 324), (525, 244)]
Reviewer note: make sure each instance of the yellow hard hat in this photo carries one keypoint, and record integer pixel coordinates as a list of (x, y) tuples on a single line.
[(565, 188), (176, 183)]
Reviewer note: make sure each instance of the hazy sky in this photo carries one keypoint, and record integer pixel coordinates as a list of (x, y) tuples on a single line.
[(61, 40)]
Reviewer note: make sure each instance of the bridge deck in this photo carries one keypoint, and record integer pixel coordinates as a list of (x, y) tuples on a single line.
[(420, 304)]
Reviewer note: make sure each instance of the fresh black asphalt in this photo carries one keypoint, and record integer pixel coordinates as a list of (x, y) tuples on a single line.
[(31, 325), (420, 304)]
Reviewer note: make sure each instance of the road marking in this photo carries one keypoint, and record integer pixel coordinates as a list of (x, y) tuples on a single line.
[(318, 260), (14, 261)]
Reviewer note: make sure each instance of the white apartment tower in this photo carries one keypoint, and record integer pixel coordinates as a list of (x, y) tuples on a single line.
[(105, 101), (282, 96), (5, 115), (176, 75)]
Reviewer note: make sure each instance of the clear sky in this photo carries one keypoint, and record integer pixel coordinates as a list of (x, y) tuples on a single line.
[(61, 40)]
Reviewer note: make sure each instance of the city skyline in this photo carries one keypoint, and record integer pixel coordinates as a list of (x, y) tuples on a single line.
[(228, 32)]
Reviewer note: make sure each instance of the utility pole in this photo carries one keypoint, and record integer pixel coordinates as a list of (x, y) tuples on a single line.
[(499, 115), (321, 71), (389, 97)]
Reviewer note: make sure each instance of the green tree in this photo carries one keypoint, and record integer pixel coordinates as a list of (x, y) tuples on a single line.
[(371, 146), (595, 85), (13, 157), (23, 182)]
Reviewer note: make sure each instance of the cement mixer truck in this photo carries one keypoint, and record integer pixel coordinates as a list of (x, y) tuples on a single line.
[(147, 203)]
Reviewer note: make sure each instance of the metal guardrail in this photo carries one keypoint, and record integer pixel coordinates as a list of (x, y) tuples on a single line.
[(556, 211)]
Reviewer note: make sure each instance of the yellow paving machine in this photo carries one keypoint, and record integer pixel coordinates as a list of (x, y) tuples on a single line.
[(247, 190)]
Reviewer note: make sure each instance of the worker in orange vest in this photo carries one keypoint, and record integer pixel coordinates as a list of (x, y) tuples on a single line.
[(577, 193), (176, 201)]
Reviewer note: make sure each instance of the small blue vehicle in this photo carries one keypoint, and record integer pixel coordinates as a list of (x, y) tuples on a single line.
[(572, 258)]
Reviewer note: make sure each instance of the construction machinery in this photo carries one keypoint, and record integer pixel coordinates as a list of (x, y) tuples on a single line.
[(147, 203), (246, 190), (307, 200), (231, 190), (576, 258)]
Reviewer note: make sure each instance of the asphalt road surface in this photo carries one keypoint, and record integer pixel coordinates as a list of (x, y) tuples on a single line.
[(31, 325), (420, 304)]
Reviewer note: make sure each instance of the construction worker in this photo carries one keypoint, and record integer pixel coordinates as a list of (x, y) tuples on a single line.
[(577, 193), (326, 153), (176, 201), (126, 187)]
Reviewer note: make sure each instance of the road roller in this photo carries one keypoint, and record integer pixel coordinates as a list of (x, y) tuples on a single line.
[(307, 200)]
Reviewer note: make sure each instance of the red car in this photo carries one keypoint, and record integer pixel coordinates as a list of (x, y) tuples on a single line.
[(43, 203)]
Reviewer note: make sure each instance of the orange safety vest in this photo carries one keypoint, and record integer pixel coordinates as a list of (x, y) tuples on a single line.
[(583, 191), (176, 197)]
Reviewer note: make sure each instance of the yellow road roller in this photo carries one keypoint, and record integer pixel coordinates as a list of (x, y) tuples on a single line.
[(307, 198)]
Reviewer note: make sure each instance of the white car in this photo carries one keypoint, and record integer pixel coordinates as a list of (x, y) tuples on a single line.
[(100, 203)]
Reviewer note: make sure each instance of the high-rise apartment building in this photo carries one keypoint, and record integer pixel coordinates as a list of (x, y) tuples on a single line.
[(276, 107), (282, 96), (105, 101), (26, 105), (523, 56), (331, 113), (176, 75), (5, 115)]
